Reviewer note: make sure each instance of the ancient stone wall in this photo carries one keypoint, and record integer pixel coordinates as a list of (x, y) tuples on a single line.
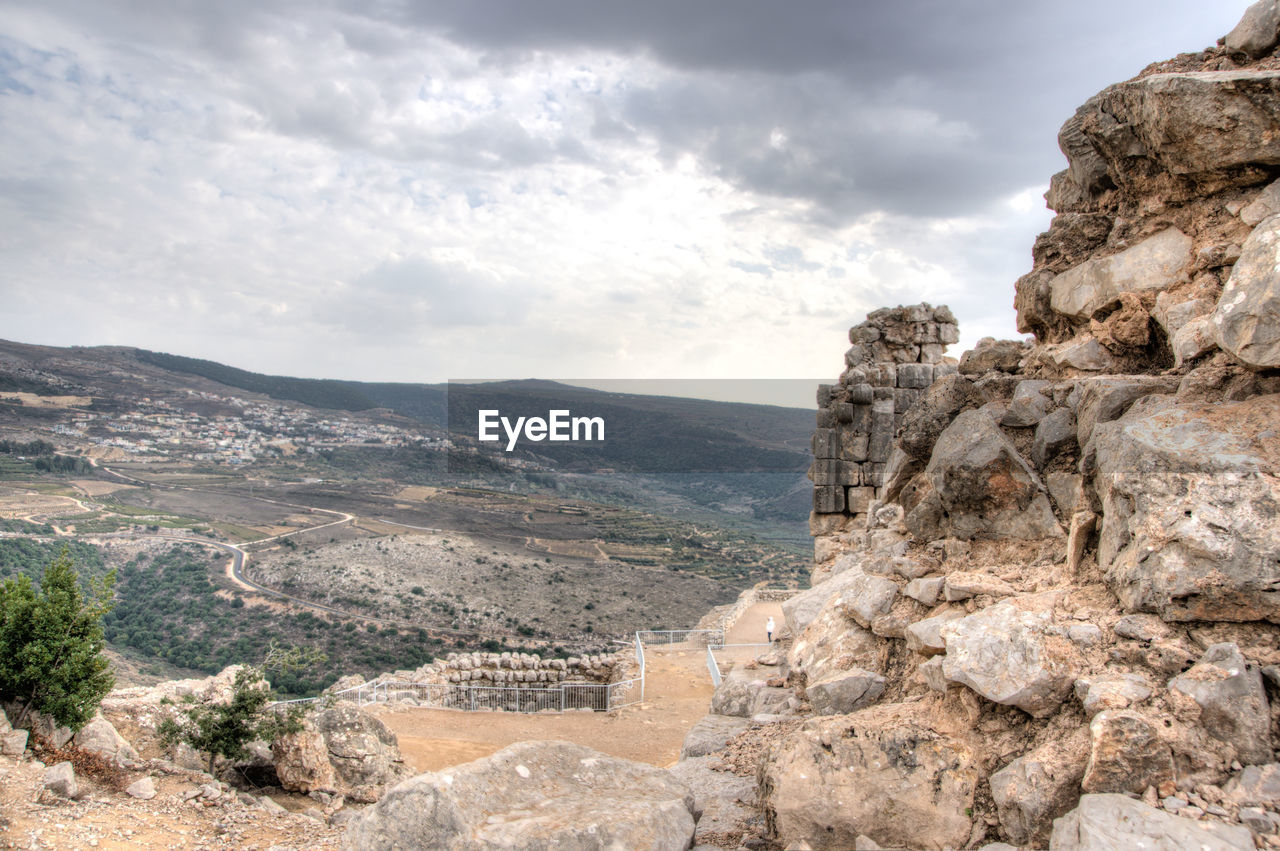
[(896, 353)]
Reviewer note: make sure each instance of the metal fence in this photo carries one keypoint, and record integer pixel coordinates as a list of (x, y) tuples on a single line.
[(677, 636), (713, 667)]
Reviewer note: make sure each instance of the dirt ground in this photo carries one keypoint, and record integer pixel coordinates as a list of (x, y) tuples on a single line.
[(677, 694)]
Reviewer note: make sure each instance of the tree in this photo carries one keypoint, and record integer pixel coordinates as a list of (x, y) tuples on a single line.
[(226, 729), (51, 644)]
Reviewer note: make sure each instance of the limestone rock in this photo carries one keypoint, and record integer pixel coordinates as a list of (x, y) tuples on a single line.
[(1115, 691), (143, 790), (1107, 822), (925, 636), (1256, 786), (845, 691), (101, 738), (1102, 400), (1193, 340), (832, 643), (1233, 704), (981, 487), (883, 773), (932, 413), (1054, 435), (1189, 123), (711, 734), (532, 795), (992, 354), (1267, 204), (1039, 786), (1028, 406), (364, 753), (13, 743), (1256, 33), (800, 610), (1082, 352), (1156, 263), (1246, 322), (60, 779), (962, 585), (1189, 527), (1126, 754), (743, 693), (925, 590), (302, 762), (866, 598), (1012, 653)]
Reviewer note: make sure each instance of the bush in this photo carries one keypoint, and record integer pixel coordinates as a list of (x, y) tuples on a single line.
[(51, 643), (225, 729)]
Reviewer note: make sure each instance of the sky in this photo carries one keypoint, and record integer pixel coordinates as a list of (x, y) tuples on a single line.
[(583, 189)]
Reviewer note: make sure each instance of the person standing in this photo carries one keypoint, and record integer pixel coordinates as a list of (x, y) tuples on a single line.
[(768, 629)]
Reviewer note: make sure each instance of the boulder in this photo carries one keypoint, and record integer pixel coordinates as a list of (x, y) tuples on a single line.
[(925, 636), (143, 790), (1107, 822), (100, 737), (364, 753), (845, 691), (981, 487), (1126, 754), (883, 772), (302, 762), (1233, 703), (832, 643), (1156, 263), (1013, 653), (1267, 204), (993, 355), (1028, 406), (1054, 435), (1039, 786), (1246, 322), (1102, 400), (1256, 33), (924, 421), (866, 598), (1114, 691), (962, 585), (532, 795), (712, 734), (1256, 786), (799, 610), (743, 693), (1082, 352), (1190, 499), (13, 743), (1190, 123), (60, 779)]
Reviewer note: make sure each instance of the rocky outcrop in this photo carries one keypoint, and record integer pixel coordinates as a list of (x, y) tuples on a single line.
[(883, 773), (1105, 822), (1063, 588), (342, 750), (532, 795)]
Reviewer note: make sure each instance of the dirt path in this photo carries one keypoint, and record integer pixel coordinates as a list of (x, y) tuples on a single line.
[(750, 627), (677, 694)]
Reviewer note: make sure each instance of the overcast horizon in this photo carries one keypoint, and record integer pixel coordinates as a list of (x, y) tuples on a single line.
[(394, 191)]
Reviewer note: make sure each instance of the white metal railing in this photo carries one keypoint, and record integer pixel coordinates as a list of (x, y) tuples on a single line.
[(676, 636), (713, 667)]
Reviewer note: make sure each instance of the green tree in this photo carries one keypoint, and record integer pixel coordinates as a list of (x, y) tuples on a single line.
[(51, 644), (226, 729)]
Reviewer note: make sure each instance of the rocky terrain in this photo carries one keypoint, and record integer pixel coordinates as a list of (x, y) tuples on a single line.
[(455, 581), (1050, 617), (1045, 600)]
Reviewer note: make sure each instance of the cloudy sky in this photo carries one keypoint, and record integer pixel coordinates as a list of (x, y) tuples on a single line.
[(402, 190)]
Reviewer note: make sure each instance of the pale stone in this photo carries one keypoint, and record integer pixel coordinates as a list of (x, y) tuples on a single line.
[(1246, 322), (1109, 822), (1156, 263)]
